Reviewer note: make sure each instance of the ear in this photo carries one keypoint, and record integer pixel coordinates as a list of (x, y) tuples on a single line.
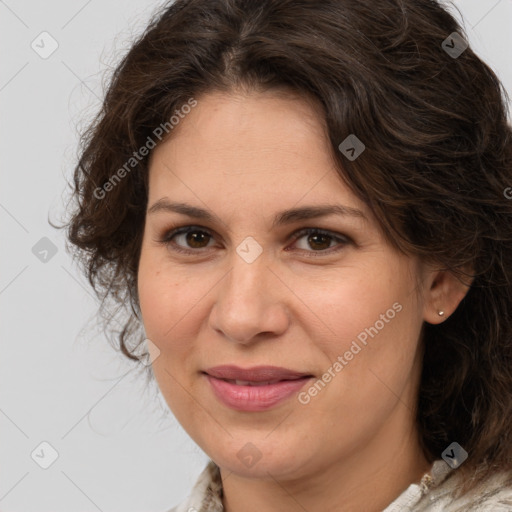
[(443, 293)]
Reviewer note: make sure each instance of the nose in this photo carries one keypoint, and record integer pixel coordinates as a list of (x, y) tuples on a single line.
[(250, 303)]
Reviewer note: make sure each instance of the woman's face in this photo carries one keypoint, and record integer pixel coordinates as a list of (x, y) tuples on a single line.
[(342, 307)]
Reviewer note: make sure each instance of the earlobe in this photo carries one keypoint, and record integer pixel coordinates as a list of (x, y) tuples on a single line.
[(444, 296)]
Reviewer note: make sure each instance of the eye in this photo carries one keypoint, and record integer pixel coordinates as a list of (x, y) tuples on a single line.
[(320, 240), (194, 239), (193, 235)]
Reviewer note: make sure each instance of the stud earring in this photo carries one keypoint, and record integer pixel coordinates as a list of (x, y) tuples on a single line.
[(440, 313)]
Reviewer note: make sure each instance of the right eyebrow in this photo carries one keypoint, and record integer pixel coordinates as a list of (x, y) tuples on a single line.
[(164, 205)]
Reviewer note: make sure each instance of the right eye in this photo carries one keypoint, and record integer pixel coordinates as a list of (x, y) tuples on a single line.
[(192, 235)]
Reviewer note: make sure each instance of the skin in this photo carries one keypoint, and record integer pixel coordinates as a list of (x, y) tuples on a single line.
[(246, 156)]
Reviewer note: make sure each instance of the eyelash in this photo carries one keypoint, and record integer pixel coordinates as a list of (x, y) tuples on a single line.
[(166, 240)]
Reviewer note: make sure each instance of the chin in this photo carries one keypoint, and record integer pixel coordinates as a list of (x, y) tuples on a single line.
[(262, 459)]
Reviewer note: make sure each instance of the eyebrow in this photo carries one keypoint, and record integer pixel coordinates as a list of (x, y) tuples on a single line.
[(282, 218)]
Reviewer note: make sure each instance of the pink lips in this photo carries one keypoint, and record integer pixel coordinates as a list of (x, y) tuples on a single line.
[(254, 389)]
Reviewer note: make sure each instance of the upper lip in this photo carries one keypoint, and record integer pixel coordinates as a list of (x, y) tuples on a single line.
[(254, 374)]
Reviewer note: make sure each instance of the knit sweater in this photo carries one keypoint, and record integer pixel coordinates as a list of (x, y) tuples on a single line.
[(432, 494)]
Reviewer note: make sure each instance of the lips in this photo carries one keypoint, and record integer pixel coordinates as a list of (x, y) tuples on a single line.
[(255, 389), (257, 375), (251, 383)]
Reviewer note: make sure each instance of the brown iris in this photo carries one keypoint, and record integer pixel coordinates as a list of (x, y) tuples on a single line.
[(315, 237), (195, 237)]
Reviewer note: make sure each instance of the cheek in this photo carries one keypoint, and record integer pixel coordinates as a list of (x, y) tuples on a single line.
[(342, 306), (170, 302), (158, 296), (369, 318), (165, 303)]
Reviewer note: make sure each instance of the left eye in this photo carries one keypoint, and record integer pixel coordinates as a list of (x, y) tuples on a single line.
[(318, 239), (195, 237)]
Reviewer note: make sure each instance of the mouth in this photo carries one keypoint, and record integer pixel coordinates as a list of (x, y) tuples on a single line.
[(255, 389), (256, 375), (256, 383)]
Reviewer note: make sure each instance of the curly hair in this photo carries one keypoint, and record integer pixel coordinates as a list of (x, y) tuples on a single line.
[(437, 163)]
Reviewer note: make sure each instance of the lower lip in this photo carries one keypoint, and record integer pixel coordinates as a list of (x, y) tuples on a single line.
[(254, 398)]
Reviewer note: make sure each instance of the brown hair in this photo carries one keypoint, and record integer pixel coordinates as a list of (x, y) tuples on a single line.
[(438, 159)]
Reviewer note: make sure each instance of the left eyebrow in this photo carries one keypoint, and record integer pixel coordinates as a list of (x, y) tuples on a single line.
[(282, 218), (314, 212)]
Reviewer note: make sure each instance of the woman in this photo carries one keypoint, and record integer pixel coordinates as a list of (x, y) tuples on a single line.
[(303, 205)]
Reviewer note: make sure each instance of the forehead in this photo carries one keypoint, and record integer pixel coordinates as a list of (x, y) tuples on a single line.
[(237, 127), (257, 148)]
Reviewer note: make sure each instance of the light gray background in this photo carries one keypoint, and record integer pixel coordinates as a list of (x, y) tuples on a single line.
[(60, 381)]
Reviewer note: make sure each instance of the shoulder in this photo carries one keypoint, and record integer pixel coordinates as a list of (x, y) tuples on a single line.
[(440, 491), (492, 495)]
